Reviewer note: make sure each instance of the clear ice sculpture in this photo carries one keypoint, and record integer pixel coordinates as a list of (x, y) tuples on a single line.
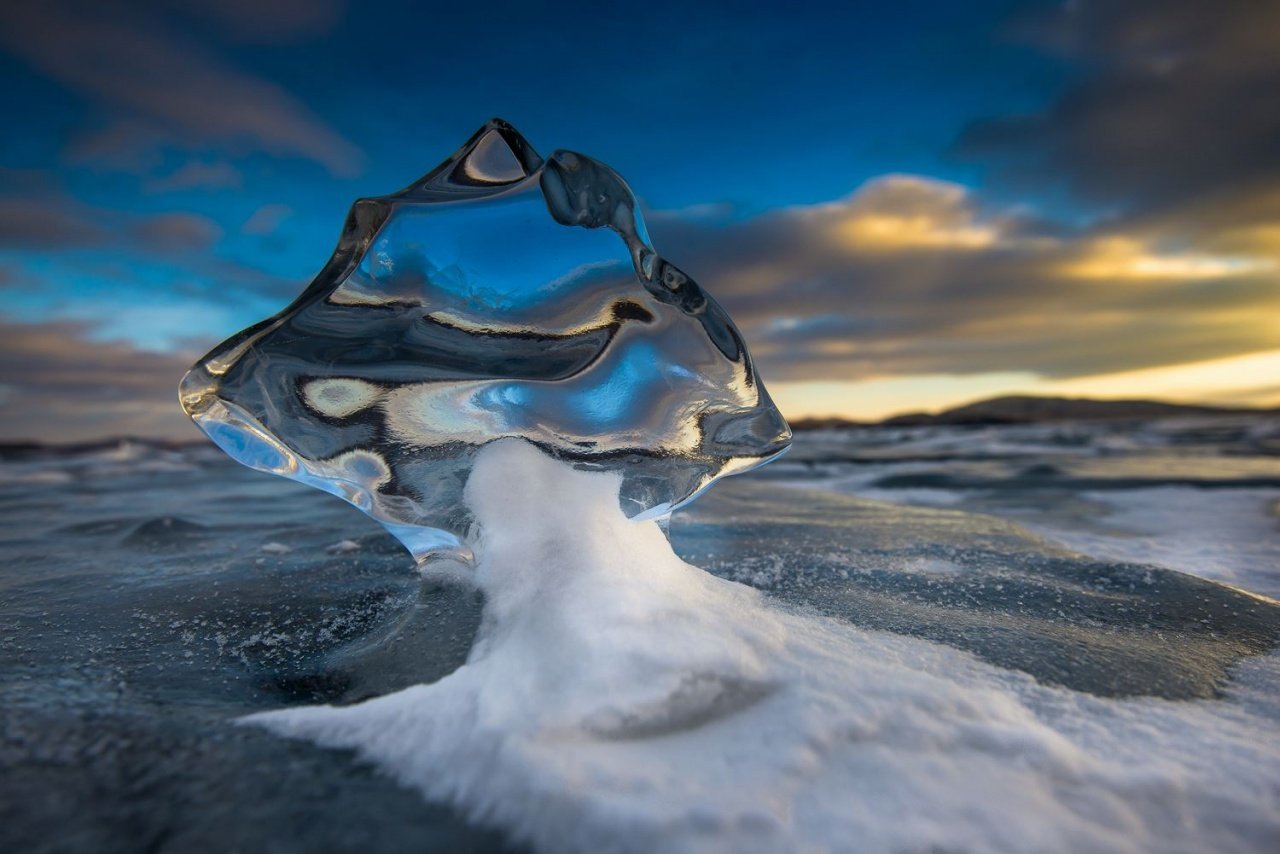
[(502, 295)]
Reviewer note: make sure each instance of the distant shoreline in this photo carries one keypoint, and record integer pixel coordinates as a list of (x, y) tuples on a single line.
[(1030, 409), (1012, 409)]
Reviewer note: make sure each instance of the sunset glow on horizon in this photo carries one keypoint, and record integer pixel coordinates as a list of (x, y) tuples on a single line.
[(1237, 381)]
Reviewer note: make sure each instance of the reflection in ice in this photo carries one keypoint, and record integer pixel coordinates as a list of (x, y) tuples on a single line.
[(502, 295)]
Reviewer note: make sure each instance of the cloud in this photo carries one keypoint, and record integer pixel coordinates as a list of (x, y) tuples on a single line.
[(121, 145), (236, 281), (922, 299), (48, 223), (1169, 138), (1111, 258), (1176, 107), (95, 247), (254, 21), (939, 287), (895, 213), (198, 174), (161, 84), (266, 219), (59, 385), (57, 222), (176, 232)]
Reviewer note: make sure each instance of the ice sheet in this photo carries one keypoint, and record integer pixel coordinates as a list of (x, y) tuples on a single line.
[(620, 699), (1228, 536)]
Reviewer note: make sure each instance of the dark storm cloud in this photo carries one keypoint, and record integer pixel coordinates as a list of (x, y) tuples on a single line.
[(1180, 102), (58, 385), (159, 84)]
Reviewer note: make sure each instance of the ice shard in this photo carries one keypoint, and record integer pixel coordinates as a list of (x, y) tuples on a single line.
[(502, 295)]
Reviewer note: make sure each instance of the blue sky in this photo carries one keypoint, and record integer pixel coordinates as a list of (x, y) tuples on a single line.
[(929, 186)]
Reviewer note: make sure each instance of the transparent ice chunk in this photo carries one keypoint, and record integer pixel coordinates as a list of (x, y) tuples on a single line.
[(502, 295)]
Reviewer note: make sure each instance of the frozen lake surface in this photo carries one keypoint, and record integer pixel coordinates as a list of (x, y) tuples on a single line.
[(1072, 620)]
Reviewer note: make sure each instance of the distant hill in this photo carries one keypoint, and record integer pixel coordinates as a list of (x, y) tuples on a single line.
[(831, 422), (1029, 409)]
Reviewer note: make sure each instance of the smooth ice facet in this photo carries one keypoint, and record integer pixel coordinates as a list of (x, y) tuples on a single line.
[(499, 296)]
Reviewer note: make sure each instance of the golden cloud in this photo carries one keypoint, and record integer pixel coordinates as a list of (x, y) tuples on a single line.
[(898, 213), (1119, 257), (911, 276)]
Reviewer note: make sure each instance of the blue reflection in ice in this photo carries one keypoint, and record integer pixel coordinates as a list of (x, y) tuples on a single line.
[(501, 295)]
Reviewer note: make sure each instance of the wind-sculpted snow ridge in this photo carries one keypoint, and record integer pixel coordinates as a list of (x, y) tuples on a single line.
[(619, 699), (501, 296)]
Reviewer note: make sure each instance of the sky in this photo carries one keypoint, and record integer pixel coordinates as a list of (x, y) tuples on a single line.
[(904, 206)]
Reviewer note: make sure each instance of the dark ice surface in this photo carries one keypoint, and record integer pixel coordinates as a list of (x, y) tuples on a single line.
[(987, 586), (131, 639), (149, 597)]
